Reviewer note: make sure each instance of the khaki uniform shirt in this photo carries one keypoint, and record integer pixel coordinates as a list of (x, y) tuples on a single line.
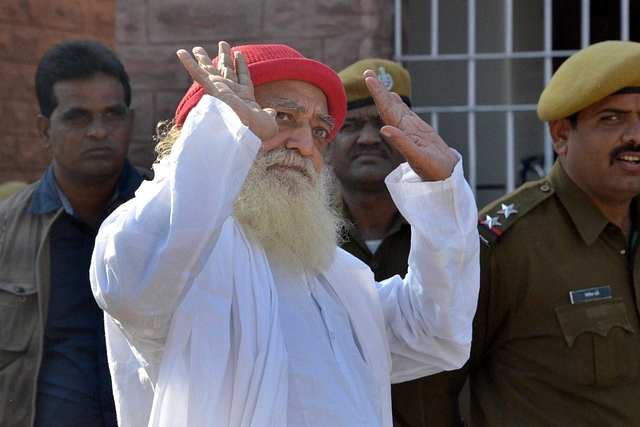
[(392, 254), (410, 400), (557, 334)]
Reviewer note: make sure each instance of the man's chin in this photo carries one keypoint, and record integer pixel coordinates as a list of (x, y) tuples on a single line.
[(368, 176)]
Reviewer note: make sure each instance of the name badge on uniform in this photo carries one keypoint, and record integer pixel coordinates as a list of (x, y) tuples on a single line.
[(591, 294)]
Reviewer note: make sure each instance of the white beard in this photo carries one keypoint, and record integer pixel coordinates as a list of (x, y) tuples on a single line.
[(286, 206)]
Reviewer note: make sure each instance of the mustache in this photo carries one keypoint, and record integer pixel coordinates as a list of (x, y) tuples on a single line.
[(618, 151), (284, 158), (377, 148)]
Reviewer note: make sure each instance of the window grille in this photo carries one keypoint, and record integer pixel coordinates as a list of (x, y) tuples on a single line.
[(478, 68)]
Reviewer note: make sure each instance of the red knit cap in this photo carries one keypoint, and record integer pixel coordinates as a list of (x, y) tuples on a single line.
[(272, 62)]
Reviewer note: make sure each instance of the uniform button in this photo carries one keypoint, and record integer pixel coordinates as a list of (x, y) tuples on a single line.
[(623, 252), (332, 336), (545, 187), (375, 265), (18, 290)]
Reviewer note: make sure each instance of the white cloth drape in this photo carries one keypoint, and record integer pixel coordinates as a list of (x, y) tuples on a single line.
[(194, 295)]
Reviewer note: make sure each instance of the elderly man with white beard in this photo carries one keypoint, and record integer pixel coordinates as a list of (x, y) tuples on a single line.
[(224, 278)]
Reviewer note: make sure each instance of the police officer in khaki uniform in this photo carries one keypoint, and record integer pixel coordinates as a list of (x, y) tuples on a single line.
[(362, 158), (557, 332)]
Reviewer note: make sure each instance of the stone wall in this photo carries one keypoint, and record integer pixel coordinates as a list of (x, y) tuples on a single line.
[(148, 32), (27, 29)]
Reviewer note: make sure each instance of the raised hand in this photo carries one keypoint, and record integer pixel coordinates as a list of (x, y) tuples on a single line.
[(232, 85), (428, 155)]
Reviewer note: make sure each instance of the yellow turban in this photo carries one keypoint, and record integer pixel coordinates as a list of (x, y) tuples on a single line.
[(588, 76), (395, 78)]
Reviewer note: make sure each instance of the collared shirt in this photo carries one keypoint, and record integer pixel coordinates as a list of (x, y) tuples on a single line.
[(548, 350), (74, 385), (391, 256)]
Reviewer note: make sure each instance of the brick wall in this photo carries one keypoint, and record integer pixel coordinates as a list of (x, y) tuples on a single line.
[(27, 29), (148, 32)]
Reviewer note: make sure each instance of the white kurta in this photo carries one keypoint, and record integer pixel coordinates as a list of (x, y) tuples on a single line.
[(195, 296)]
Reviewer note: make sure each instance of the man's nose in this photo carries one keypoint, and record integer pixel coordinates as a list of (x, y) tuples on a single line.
[(632, 134), (301, 138), (97, 128), (369, 134)]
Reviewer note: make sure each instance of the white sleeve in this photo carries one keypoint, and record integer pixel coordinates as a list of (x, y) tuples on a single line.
[(149, 250), (429, 315)]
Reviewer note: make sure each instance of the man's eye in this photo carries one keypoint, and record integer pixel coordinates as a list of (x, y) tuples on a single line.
[(351, 125), (283, 116), (116, 114), (376, 122), (77, 118), (321, 132)]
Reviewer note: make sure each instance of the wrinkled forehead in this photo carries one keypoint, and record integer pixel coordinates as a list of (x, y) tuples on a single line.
[(621, 100), (100, 88), (296, 91)]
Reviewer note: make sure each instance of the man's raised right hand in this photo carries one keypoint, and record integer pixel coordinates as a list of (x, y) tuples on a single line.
[(232, 85)]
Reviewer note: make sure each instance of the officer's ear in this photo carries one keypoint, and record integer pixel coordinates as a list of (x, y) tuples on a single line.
[(559, 131), (42, 124)]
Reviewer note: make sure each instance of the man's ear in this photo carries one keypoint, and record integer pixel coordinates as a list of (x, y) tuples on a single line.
[(42, 124), (132, 115), (559, 131)]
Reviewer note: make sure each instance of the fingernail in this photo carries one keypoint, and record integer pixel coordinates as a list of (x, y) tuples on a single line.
[(385, 132)]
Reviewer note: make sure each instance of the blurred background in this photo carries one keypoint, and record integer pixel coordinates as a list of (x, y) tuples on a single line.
[(478, 66)]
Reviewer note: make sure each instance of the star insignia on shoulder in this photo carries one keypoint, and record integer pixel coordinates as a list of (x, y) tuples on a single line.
[(507, 210), (490, 221)]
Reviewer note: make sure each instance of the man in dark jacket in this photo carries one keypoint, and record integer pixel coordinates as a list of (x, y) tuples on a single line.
[(53, 365)]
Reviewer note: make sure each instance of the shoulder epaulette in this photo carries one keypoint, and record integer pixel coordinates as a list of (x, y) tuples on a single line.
[(498, 216)]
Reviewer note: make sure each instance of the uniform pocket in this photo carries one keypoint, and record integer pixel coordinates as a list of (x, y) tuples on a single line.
[(18, 321), (601, 340)]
